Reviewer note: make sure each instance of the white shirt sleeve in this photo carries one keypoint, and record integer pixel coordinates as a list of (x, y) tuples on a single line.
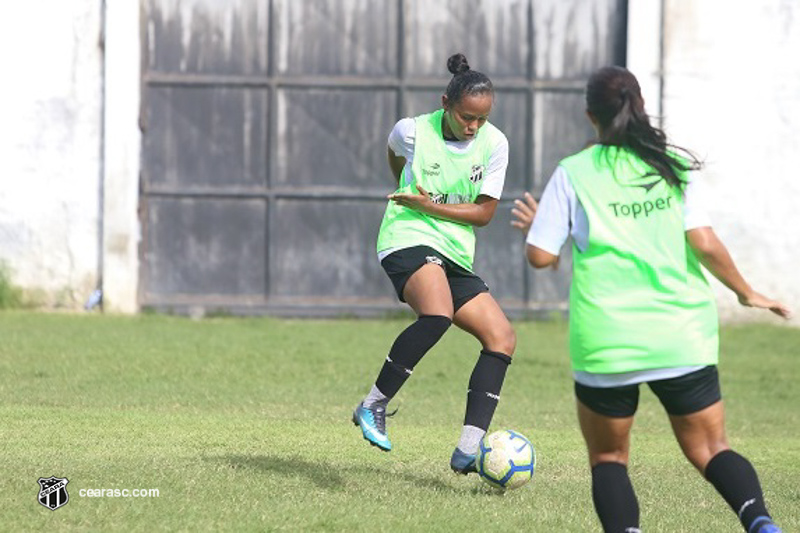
[(561, 214), (495, 177), (695, 203), (551, 227), (402, 137)]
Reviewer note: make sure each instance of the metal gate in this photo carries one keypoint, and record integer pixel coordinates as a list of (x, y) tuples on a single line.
[(265, 122)]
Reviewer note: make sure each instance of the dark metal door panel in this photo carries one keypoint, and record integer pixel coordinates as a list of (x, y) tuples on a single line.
[(265, 123), (336, 37), (325, 250), (207, 36), (572, 38), (205, 138), (205, 247), (493, 34), (333, 137), (561, 129)]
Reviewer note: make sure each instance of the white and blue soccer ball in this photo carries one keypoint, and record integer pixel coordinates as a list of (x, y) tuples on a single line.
[(506, 459)]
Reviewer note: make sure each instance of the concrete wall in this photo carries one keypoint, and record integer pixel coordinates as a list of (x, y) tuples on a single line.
[(69, 150), (121, 156), (732, 94), (69, 165), (50, 146)]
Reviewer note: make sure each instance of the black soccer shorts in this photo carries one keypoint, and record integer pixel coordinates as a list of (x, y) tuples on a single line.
[(400, 265), (682, 395)]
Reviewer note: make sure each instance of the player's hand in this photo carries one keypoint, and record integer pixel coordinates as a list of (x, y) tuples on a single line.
[(524, 213), (414, 201), (756, 299)]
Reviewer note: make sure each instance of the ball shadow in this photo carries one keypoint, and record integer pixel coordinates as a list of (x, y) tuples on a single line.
[(321, 474)]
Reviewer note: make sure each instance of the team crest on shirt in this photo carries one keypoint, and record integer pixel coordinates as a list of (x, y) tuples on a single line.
[(477, 173)]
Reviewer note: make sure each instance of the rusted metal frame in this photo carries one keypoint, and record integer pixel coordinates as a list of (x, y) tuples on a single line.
[(268, 193), (530, 131), (271, 119), (402, 87), (400, 82)]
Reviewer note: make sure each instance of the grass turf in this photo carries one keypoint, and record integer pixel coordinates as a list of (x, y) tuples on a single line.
[(243, 425)]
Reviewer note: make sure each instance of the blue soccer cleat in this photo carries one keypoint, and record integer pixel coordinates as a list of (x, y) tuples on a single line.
[(372, 421), (764, 524), (462, 463)]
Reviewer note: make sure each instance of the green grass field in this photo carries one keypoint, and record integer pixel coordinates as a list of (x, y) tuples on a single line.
[(244, 425)]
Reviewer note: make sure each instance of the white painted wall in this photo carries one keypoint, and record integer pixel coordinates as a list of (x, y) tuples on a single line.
[(50, 146), (122, 151), (69, 165), (732, 94)]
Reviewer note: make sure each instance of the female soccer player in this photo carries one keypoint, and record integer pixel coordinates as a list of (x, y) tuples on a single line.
[(641, 310), (450, 167)]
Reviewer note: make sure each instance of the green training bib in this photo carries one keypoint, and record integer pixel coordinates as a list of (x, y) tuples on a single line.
[(450, 178), (638, 298)]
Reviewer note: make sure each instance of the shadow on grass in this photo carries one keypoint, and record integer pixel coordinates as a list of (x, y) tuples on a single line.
[(320, 474), (326, 475)]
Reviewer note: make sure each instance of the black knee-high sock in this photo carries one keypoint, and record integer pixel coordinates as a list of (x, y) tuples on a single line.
[(614, 498), (484, 388), (736, 480), (407, 350)]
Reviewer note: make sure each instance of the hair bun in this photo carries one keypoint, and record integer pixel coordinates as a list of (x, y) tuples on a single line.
[(457, 63)]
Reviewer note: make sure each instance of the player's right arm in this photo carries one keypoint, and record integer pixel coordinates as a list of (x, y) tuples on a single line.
[(396, 163), (400, 151)]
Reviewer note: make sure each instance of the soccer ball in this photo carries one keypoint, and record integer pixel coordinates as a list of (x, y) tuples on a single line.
[(506, 459)]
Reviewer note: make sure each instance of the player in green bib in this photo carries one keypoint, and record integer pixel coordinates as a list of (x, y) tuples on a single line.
[(450, 168), (641, 310)]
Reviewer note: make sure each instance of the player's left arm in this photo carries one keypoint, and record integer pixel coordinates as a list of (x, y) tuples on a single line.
[(713, 254), (478, 214)]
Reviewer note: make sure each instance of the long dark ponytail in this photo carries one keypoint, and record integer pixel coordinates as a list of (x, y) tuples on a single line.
[(614, 98)]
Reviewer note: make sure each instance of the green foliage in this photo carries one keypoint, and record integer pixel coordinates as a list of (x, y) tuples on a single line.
[(244, 425), (10, 295)]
